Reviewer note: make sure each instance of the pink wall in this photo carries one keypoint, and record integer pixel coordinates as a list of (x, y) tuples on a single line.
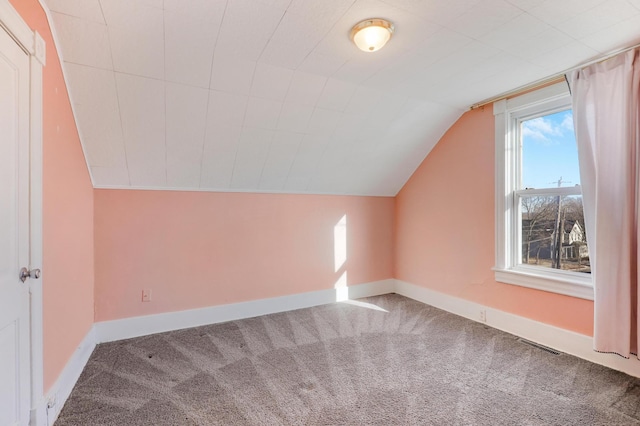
[(445, 229), (198, 249), (67, 214)]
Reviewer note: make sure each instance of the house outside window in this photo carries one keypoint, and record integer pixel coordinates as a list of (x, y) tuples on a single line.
[(540, 233)]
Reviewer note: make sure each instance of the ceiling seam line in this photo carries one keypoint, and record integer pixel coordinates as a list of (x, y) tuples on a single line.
[(244, 117), (277, 127), (124, 141), (323, 36), (315, 106), (164, 76), (324, 151), (210, 93), (271, 36), (115, 82), (286, 176), (195, 86), (215, 46), (266, 157), (242, 128)]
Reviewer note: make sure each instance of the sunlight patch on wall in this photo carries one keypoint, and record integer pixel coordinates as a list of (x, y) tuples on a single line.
[(340, 258), (340, 243)]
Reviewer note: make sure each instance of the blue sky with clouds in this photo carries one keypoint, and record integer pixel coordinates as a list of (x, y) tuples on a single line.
[(549, 151)]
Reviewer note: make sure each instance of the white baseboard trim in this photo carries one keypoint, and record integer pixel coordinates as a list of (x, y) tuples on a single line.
[(557, 338), (61, 389), (108, 331)]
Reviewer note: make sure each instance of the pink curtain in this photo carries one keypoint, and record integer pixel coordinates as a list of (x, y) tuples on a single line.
[(606, 115)]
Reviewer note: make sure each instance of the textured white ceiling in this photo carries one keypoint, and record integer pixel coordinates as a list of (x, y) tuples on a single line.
[(271, 95)]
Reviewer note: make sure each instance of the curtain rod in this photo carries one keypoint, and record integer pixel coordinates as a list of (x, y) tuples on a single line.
[(557, 78)]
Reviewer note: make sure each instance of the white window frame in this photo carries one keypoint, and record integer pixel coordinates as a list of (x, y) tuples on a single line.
[(509, 114)]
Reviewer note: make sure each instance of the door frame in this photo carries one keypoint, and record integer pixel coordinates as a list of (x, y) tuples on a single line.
[(34, 46)]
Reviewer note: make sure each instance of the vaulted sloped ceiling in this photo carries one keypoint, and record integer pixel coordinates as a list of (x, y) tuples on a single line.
[(271, 95)]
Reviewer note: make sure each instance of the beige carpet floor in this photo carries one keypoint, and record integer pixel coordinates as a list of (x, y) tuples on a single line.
[(385, 360)]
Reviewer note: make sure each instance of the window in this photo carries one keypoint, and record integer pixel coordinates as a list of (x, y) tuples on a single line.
[(540, 232)]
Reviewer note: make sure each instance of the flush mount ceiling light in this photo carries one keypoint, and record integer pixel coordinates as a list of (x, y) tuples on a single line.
[(371, 35)]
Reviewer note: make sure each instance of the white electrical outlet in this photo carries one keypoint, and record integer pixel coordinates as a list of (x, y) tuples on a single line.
[(146, 295), (483, 315)]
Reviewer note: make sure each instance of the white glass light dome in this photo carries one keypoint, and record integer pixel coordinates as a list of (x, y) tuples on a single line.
[(371, 35)]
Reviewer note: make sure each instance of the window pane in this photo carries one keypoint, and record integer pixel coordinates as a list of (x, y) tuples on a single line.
[(553, 234), (549, 152)]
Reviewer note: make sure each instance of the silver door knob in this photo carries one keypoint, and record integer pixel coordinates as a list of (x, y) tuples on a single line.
[(25, 273)]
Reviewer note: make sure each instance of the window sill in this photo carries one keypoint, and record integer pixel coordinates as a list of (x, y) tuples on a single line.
[(554, 282)]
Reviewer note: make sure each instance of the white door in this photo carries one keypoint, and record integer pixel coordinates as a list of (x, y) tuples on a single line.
[(14, 233)]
